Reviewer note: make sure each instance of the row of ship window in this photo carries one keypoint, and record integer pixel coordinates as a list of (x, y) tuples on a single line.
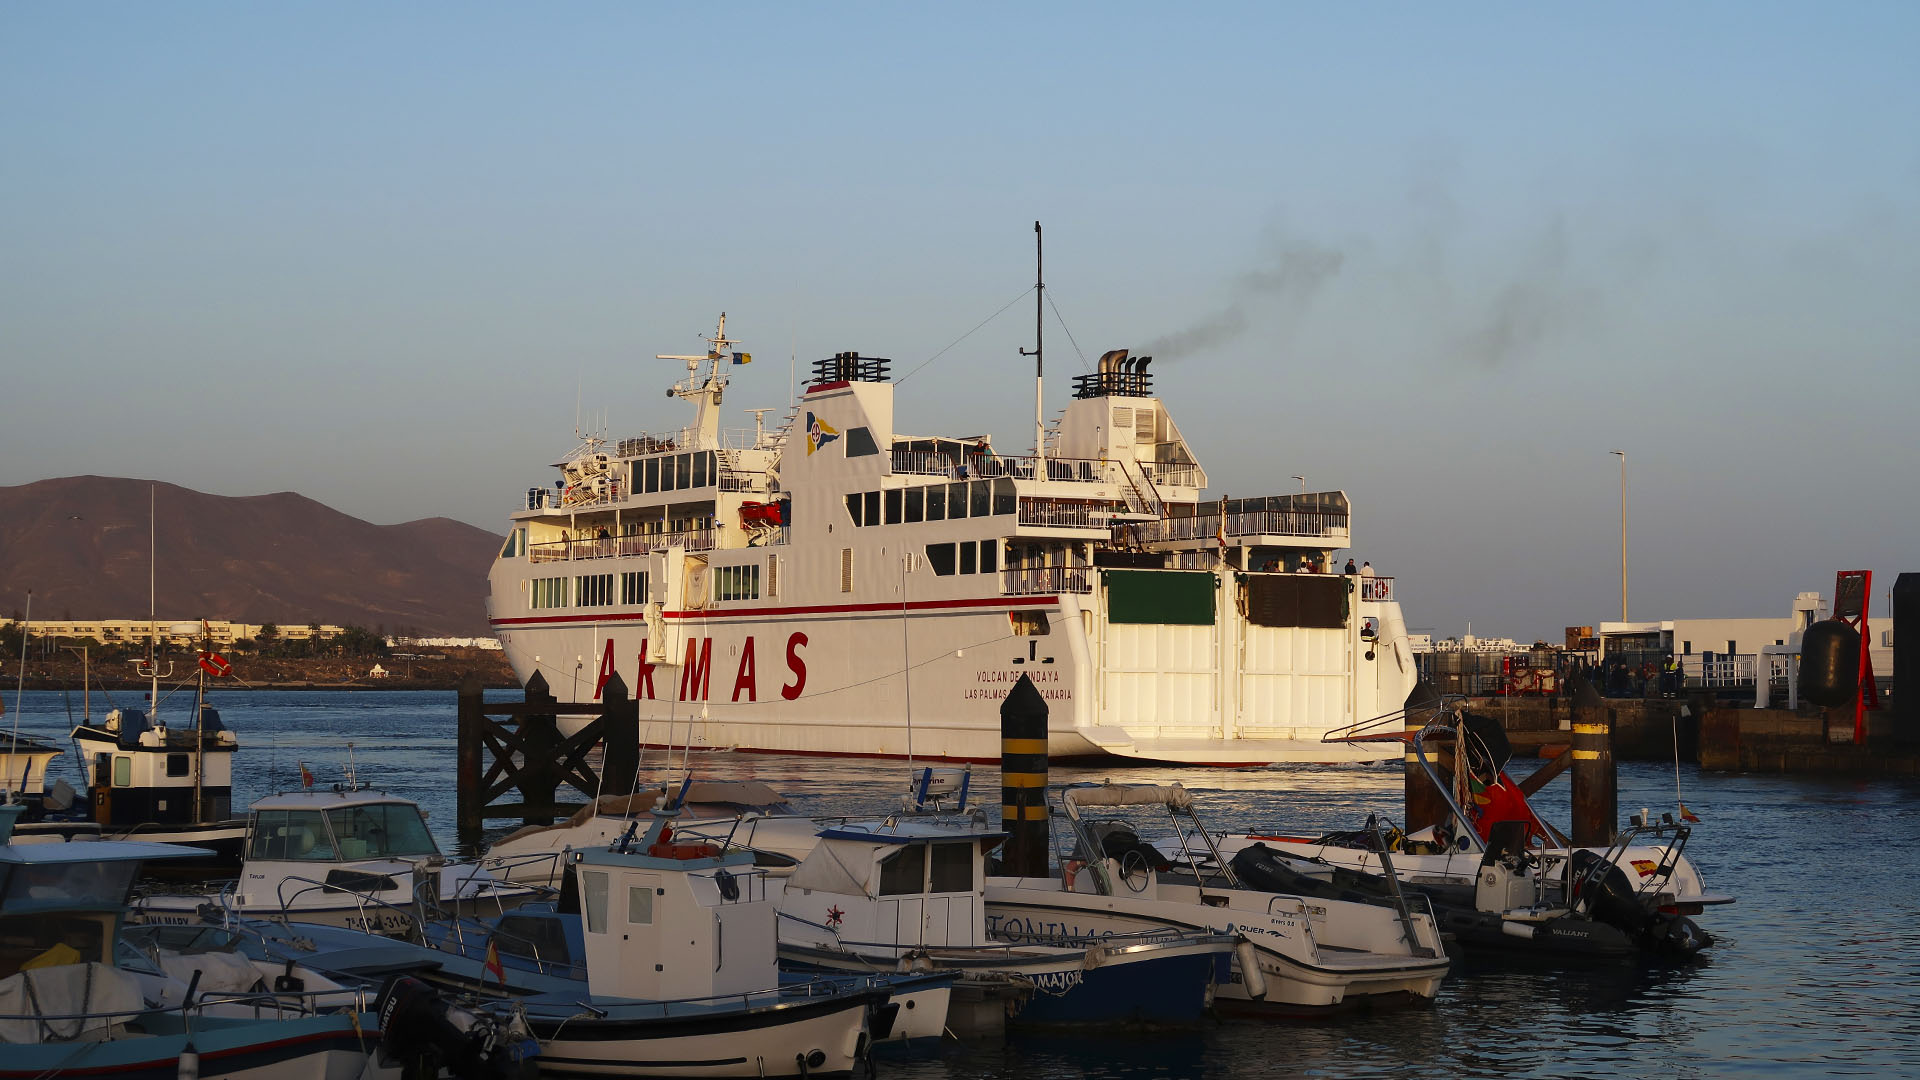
[(597, 590), (587, 590), (934, 502)]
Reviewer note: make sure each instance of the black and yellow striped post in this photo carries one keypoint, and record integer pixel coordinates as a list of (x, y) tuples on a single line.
[(1596, 796), (1425, 804), (1023, 780)]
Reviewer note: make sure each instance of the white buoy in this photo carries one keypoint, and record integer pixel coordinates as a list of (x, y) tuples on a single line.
[(1249, 960), (1514, 929), (189, 1062)]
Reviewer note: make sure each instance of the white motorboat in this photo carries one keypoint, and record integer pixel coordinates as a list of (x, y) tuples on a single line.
[(355, 858), (1499, 874), (906, 895), (1298, 954)]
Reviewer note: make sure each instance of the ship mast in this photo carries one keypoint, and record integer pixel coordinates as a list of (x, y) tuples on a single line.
[(1039, 314), (704, 390)]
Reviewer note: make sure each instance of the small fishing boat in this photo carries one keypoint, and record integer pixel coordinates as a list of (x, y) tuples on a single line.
[(905, 895), (682, 975), (349, 857), (1295, 955)]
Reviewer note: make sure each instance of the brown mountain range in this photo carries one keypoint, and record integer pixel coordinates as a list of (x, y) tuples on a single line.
[(80, 543)]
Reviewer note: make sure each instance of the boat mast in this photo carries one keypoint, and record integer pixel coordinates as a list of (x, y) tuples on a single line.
[(1039, 313), (19, 691)]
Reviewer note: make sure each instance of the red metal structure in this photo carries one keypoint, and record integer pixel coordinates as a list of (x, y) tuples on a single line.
[(1852, 590)]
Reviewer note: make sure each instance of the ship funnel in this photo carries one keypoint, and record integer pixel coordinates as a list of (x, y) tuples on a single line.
[(1110, 360)]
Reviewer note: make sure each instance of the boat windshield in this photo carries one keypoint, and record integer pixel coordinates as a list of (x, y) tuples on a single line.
[(298, 835), (92, 884), (381, 831)]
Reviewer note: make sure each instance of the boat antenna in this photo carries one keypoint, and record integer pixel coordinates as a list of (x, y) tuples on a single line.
[(1039, 320), (152, 671), (19, 690), (350, 768)]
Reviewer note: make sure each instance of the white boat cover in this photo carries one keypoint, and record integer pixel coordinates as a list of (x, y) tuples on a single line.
[(65, 990), (220, 972), (844, 867), (1172, 795)]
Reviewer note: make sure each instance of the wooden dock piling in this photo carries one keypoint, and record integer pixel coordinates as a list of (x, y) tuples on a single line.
[(1426, 806), (1596, 799), (516, 746)]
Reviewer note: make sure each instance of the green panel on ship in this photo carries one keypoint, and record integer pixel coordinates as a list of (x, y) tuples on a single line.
[(1181, 597)]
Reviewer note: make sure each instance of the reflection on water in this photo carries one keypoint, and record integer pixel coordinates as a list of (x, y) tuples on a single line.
[(1816, 973)]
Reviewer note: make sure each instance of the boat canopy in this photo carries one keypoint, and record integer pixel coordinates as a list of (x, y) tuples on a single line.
[(1172, 796)]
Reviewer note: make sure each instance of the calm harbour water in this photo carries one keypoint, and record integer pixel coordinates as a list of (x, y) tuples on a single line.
[(1816, 971)]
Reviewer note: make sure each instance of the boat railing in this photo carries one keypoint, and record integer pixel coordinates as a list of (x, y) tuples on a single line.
[(978, 466), (1375, 589), (1174, 474), (1304, 523), (1064, 513), (286, 1003), (608, 547), (1047, 579)]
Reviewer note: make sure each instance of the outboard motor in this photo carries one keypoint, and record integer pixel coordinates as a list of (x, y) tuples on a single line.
[(430, 1035)]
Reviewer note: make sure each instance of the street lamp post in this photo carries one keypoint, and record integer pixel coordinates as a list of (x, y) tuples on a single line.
[(1622, 454), (1303, 484)]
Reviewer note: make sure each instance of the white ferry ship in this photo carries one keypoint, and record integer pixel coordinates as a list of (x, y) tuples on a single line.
[(834, 586)]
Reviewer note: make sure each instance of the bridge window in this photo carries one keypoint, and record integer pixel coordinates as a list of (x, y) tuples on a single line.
[(860, 443), (980, 499), (593, 898), (916, 505), (682, 471), (854, 502), (700, 469), (893, 506), (940, 557), (956, 500), (1004, 499), (969, 558), (904, 872), (989, 556), (952, 869), (653, 474)]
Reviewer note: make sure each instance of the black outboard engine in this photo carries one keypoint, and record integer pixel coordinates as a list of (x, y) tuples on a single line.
[(430, 1035), (1611, 899), (1607, 895)]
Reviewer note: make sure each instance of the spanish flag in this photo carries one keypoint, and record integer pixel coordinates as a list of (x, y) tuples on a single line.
[(306, 777), (493, 962), (1688, 816)]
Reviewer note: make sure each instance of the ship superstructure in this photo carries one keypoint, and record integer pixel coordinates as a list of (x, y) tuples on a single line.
[(834, 586)]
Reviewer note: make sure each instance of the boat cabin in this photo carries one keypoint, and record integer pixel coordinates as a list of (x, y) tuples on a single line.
[(902, 885), (669, 921), (361, 841), (62, 904), (143, 772)]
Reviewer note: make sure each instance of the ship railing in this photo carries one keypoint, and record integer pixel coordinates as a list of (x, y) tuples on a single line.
[(266, 1004), (1051, 513), (970, 466), (1174, 474), (1376, 589), (689, 438), (1313, 523), (607, 547), (1047, 579)]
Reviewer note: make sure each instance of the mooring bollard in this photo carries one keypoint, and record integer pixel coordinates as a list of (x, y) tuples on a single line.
[(1023, 780), (1596, 800)]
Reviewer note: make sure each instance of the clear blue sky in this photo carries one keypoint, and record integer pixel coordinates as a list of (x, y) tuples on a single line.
[(1442, 257)]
